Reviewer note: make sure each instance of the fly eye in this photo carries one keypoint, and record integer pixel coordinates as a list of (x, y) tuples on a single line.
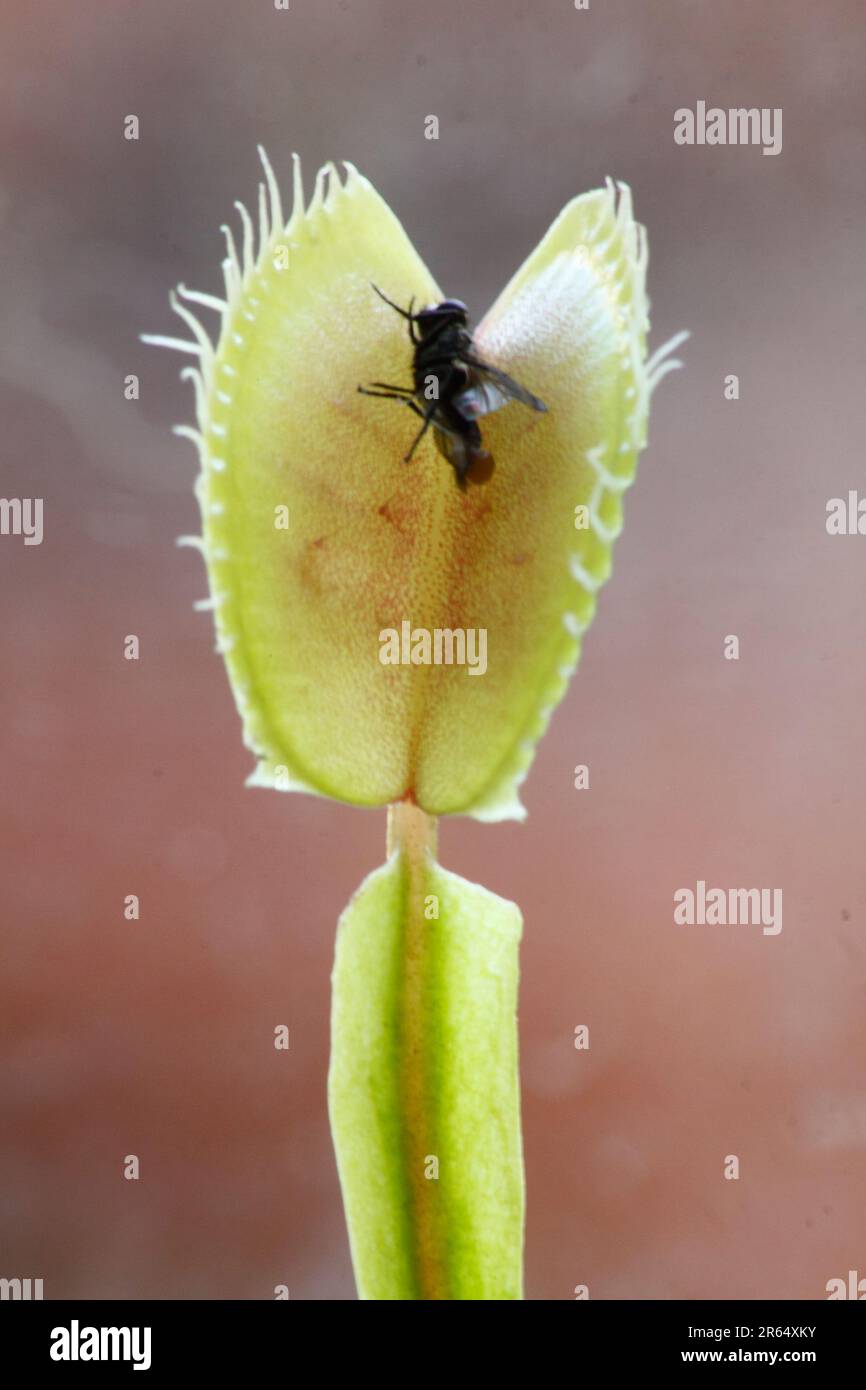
[(449, 308)]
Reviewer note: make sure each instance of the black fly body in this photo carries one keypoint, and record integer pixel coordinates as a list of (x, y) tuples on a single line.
[(452, 387)]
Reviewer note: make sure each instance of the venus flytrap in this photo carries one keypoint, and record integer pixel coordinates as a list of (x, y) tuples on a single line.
[(318, 542)]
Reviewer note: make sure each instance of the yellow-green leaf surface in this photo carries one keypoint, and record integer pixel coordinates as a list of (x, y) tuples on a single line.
[(318, 538), (423, 1086)]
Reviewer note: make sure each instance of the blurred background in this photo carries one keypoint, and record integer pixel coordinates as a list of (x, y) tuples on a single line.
[(155, 1037)]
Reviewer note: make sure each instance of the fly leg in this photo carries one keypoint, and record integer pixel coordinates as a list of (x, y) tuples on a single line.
[(433, 407), (427, 417), (412, 333), (405, 313), (397, 393), (389, 387), (394, 393)]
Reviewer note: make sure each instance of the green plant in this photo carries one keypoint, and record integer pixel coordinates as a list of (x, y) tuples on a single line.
[(318, 543)]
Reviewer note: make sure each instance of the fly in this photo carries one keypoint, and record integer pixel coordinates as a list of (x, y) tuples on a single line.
[(452, 387)]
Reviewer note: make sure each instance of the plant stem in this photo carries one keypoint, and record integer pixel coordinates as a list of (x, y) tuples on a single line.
[(413, 831), (423, 1088), (413, 834)]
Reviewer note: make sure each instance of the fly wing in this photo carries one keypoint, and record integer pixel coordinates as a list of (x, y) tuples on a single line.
[(480, 397), (489, 389)]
